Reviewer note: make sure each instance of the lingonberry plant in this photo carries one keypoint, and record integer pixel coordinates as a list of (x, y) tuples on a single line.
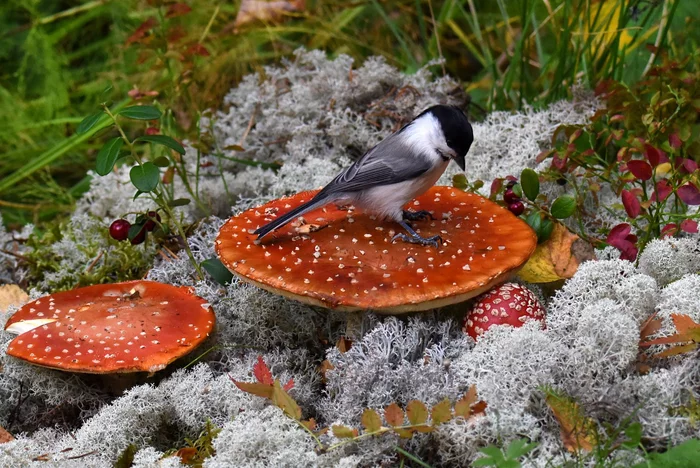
[(643, 146), (151, 153)]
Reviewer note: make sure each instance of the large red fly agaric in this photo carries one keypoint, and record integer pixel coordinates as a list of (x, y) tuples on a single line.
[(136, 326), (337, 257)]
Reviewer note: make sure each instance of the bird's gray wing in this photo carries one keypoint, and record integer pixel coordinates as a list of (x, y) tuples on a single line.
[(387, 163)]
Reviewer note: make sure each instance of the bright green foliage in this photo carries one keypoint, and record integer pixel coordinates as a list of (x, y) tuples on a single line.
[(507, 458)]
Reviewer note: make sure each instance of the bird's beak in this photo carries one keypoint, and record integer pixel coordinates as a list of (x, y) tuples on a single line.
[(459, 159)]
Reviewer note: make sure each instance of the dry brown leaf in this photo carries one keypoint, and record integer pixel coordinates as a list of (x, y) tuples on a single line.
[(11, 294), (260, 10), (557, 258), (344, 344), (186, 454), (5, 436), (577, 430)]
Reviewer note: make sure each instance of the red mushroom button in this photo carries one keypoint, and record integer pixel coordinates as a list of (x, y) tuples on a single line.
[(508, 304), (136, 326), (338, 257)]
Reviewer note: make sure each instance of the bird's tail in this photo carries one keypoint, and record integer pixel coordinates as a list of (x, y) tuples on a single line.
[(277, 223)]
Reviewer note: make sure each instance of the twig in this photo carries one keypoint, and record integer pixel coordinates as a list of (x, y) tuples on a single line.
[(437, 37), (94, 262), (251, 122), (659, 38)]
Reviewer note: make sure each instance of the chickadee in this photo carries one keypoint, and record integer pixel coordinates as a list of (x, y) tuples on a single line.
[(398, 169)]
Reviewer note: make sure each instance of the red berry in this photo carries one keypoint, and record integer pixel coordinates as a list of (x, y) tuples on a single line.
[(153, 217), (140, 237), (510, 197), (119, 229), (511, 181), (516, 208)]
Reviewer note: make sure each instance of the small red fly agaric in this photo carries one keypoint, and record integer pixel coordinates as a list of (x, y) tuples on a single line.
[(136, 326), (508, 304), (338, 257)]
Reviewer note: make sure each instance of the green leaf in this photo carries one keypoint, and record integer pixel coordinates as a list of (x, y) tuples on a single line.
[(126, 458), (179, 202), (161, 161), (534, 220), (545, 230), (517, 190), (530, 183), (140, 113), (459, 181), (217, 270), (281, 399), (163, 140), (685, 455), (634, 436), (518, 448), (135, 230), (145, 177), (563, 207), (88, 122), (108, 156)]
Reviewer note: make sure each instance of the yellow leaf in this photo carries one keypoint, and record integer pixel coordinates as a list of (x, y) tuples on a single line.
[(371, 420), (282, 400), (417, 412), (441, 412), (662, 169), (557, 258), (343, 432), (577, 430)]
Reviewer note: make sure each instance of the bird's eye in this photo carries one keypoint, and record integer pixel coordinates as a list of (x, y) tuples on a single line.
[(449, 142)]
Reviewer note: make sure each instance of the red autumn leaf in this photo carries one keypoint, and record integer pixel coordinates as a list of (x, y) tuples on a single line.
[(559, 163), (495, 187), (620, 238), (177, 9), (654, 156), (197, 49), (674, 140), (669, 230), (689, 193), (689, 226), (262, 372), (690, 165), (663, 190), (394, 415), (175, 34), (141, 31), (631, 203), (289, 385), (640, 169), (152, 131)]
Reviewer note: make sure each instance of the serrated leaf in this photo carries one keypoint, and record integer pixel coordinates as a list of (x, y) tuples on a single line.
[(463, 406), (394, 415), (371, 420), (563, 207), (403, 433), (262, 373), (88, 122), (441, 412), (343, 432), (140, 113), (145, 177), (163, 140), (108, 155), (282, 400), (258, 389), (530, 183), (417, 412)]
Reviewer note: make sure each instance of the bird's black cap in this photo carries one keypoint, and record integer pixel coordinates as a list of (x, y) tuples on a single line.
[(457, 129)]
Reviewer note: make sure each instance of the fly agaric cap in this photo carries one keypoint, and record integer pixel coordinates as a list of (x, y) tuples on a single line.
[(136, 326), (338, 257), (508, 304)]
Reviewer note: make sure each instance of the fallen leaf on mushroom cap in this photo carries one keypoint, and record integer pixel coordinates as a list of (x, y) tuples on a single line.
[(351, 263), (136, 326), (557, 258)]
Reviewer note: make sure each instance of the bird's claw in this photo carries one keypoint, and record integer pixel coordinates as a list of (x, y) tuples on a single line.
[(432, 241), (417, 215)]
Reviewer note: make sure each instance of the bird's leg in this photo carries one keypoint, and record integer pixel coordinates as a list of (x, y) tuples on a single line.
[(417, 215), (414, 238)]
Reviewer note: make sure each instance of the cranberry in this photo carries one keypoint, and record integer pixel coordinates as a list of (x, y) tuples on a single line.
[(510, 197), (140, 237), (516, 208), (153, 217), (119, 229)]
